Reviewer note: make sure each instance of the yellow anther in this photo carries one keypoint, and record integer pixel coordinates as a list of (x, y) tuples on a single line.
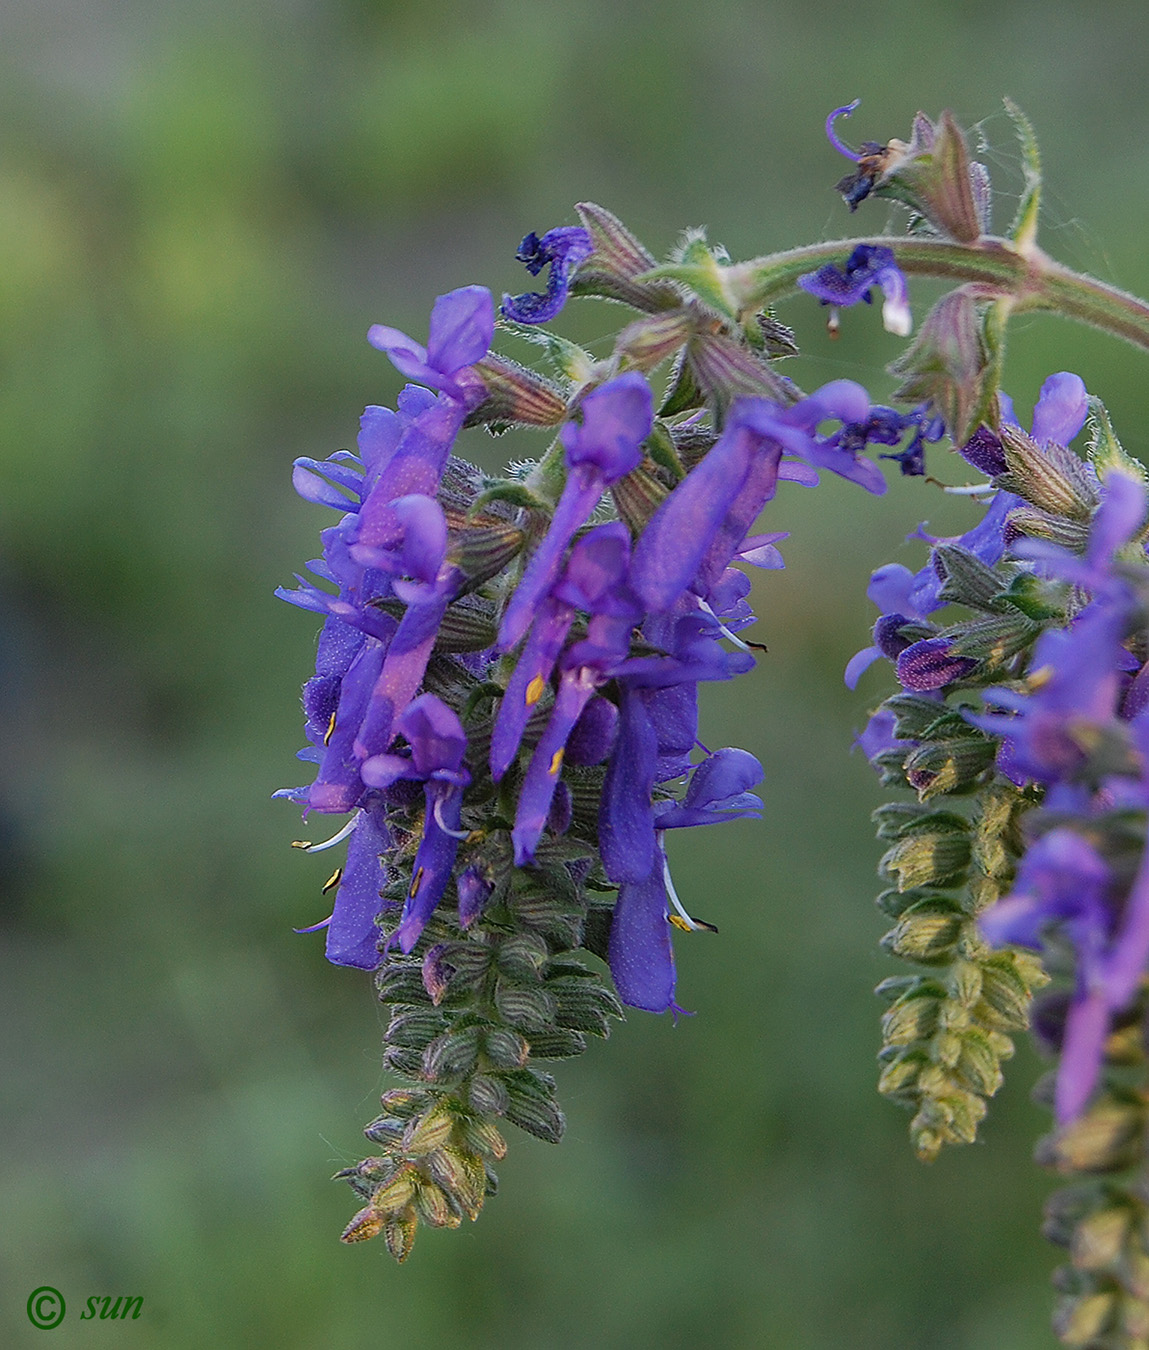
[(415, 883), (1038, 679), (301, 843), (333, 880), (535, 690), (330, 730), (556, 762), (679, 922)]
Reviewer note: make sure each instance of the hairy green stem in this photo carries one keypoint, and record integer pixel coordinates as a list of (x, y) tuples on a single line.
[(1031, 279)]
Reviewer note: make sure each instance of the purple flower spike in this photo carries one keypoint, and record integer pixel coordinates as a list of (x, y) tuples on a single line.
[(563, 248), (616, 419), (869, 265)]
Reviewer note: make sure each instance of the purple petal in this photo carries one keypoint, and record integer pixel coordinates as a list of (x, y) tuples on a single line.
[(626, 818), (352, 934), (462, 327), (435, 734), (563, 248), (641, 957), (1086, 1028), (858, 664), (616, 419), (433, 863), (543, 772), (1061, 409), (580, 497)]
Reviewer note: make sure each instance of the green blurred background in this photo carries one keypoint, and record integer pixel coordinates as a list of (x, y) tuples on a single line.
[(202, 208)]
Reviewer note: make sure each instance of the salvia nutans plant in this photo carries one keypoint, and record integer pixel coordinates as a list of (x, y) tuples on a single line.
[(505, 701)]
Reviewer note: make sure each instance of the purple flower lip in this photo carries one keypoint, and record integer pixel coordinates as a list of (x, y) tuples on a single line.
[(461, 329), (563, 248)]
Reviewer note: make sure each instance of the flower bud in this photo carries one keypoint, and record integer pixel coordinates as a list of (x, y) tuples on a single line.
[(927, 933), (913, 1018), (368, 1223), (618, 259), (530, 1009), (1049, 477), (516, 396), (948, 364), (948, 766), (637, 497), (1105, 1138), (978, 1063), (967, 580), (647, 342), (928, 858), (1099, 1238), (399, 1235), (452, 1055), (531, 1105), (1080, 1321), (487, 1094)]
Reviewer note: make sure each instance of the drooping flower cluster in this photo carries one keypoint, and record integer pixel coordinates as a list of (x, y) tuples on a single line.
[(506, 696), (607, 635), (1058, 662)]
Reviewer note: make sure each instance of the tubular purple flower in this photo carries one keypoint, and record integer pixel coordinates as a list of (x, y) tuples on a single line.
[(929, 664), (878, 738), (337, 785), (563, 248), (352, 931), (640, 952), (626, 816), (741, 468), (719, 789), (593, 581), (1061, 409), (641, 956), (1075, 684), (606, 446), (438, 744)]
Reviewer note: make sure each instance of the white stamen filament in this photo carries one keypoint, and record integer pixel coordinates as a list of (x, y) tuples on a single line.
[(971, 490), (726, 633), (672, 896), (437, 812), (337, 838)]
